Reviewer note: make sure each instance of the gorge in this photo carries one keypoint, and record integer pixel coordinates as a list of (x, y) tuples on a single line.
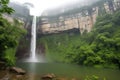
[(68, 28), (76, 42)]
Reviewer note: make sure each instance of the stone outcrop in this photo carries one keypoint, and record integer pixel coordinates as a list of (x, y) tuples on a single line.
[(48, 77), (83, 20), (17, 70)]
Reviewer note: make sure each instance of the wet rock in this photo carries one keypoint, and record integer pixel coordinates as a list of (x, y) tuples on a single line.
[(48, 76), (17, 70), (19, 76)]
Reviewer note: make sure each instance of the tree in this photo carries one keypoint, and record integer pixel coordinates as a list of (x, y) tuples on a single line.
[(10, 33), (4, 7)]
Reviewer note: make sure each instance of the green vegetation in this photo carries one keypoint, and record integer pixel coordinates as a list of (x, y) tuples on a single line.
[(10, 33), (93, 77), (4, 7), (99, 48)]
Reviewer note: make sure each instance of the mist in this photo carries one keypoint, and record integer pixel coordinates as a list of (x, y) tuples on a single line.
[(47, 6)]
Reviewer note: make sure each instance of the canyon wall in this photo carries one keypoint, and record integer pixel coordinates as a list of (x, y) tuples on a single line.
[(82, 20)]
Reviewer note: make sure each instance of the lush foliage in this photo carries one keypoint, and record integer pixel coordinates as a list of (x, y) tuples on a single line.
[(99, 48), (93, 77), (4, 7), (10, 33)]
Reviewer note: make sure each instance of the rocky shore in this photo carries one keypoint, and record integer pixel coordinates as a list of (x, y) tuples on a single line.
[(16, 73), (8, 75)]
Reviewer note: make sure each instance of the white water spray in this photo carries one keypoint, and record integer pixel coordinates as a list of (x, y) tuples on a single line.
[(33, 56), (33, 39)]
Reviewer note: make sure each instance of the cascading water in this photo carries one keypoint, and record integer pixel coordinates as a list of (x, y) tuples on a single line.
[(33, 39), (33, 56)]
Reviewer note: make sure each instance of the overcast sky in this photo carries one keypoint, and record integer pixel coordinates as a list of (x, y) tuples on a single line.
[(40, 5)]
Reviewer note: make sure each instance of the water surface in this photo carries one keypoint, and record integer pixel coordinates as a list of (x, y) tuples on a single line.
[(69, 70)]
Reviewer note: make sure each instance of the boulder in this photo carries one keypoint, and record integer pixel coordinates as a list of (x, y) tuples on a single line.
[(48, 76), (19, 76), (17, 70)]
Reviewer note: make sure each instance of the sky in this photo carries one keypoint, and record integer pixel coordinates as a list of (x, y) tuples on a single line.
[(41, 5)]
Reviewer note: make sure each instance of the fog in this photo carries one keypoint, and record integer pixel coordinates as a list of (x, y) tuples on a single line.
[(41, 6)]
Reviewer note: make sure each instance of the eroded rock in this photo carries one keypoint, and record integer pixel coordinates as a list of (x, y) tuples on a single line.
[(17, 70), (48, 76)]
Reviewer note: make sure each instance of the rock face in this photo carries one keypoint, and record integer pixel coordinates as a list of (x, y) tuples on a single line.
[(82, 20), (17, 70), (48, 77), (72, 21)]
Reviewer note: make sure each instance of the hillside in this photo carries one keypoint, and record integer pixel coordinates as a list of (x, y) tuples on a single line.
[(99, 48)]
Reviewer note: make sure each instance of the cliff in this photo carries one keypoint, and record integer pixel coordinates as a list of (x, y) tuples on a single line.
[(83, 18)]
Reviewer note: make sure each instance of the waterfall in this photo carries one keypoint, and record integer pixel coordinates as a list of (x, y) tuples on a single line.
[(33, 39), (33, 56)]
